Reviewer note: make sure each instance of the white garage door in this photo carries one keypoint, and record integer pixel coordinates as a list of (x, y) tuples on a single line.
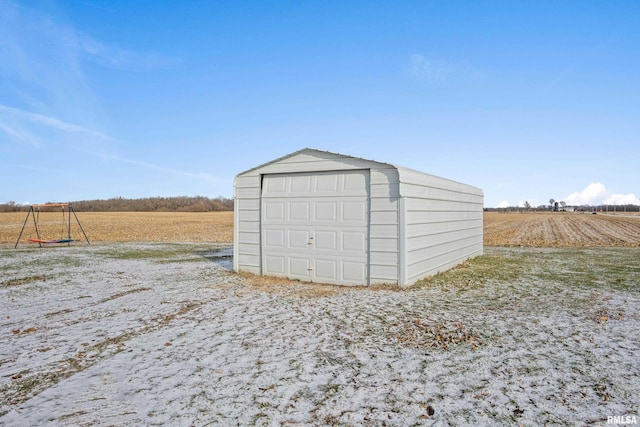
[(315, 226)]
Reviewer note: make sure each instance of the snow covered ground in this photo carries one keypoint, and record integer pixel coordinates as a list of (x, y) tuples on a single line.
[(162, 334)]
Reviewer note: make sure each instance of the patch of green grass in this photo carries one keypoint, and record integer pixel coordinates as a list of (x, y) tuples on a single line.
[(597, 268), (602, 268), (22, 281), (10, 253), (160, 253), (55, 261), (501, 265), (537, 280), (181, 260), (142, 254)]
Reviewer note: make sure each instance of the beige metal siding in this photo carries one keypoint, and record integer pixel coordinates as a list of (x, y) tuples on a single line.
[(384, 232), (418, 224), (443, 223), (246, 224), (383, 209)]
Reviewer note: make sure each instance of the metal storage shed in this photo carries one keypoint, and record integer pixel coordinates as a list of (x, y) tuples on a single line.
[(326, 217)]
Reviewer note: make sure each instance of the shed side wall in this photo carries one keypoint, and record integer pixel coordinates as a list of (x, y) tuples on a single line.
[(443, 221), (246, 219)]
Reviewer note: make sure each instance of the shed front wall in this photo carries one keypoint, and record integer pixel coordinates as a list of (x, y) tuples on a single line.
[(315, 226), (441, 224), (383, 233)]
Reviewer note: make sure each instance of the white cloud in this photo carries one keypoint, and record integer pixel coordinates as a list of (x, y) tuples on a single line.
[(428, 70), (596, 194), (202, 176), (503, 204), (50, 122), (114, 57), (593, 194), (622, 199), (42, 71), (17, 133), (437, 71)]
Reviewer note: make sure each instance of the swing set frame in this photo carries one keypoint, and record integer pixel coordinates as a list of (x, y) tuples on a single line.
[(33, 209)]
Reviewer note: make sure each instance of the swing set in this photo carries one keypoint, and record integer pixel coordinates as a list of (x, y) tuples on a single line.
[(65, 234)]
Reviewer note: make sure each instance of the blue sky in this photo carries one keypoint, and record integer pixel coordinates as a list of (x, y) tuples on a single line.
[(528, 100)]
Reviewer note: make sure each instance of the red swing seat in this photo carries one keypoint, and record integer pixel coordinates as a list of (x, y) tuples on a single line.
[(50, 241)]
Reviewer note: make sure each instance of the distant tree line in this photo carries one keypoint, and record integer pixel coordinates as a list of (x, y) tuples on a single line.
[(147, 204), (562, 207)]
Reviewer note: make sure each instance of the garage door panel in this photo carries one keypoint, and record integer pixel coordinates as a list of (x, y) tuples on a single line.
[(354, 182), (274, 211), (275, 264), (300, 184), (299, 267), (275, 184), (298, 239), (299, 211), (274, 238), (326, 211), (315, 226), (326, 240), (353, 272), (327, 183), (326, 269)]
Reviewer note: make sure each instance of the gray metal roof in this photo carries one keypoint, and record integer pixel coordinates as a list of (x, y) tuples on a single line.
[(401, 169)]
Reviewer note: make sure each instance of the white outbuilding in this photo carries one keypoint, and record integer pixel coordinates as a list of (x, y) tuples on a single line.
[(330, 218)]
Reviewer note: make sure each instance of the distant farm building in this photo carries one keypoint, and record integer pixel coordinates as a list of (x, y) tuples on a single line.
[(326, 217)]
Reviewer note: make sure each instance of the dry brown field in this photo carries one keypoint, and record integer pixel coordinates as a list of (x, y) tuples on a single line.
[(124, 226), (511, 229), (561, 229)]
